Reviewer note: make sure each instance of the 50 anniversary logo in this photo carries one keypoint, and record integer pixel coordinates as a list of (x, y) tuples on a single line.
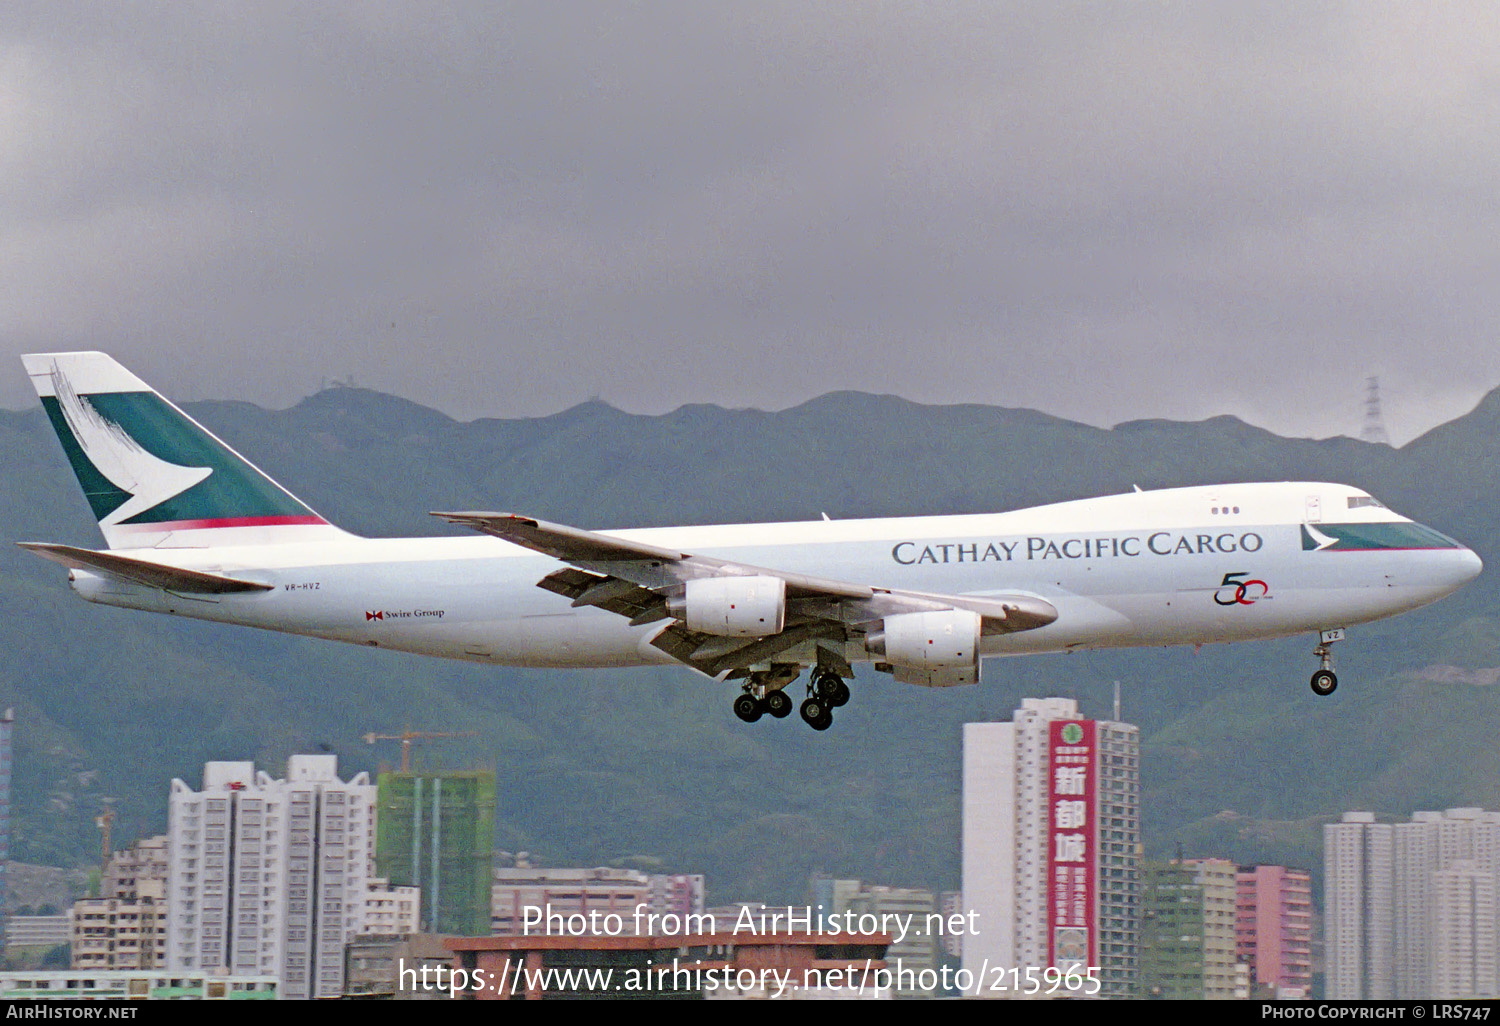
[(1234, 592)]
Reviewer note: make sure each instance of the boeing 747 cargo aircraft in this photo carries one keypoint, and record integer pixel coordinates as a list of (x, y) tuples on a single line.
[(193, 529)]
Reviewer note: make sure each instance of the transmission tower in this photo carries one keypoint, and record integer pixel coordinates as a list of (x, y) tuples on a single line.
[(1374, 429)]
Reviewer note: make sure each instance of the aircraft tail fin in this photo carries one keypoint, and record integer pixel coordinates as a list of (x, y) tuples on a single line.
[(153, 476)]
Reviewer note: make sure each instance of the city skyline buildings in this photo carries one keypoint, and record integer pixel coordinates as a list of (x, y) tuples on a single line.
[(1410, 907), (1273, 928), (7, 739), (916, 950), (269, 876), (1218, 877), (1172, 950), (1445, 860), (1051, 842), (125, 926), (634, 896)]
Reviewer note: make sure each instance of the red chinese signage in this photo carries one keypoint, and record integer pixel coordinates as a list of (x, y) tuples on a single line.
[(1072, 843)]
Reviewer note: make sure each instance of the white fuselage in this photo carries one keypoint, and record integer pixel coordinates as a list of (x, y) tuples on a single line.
[(1144, 568)]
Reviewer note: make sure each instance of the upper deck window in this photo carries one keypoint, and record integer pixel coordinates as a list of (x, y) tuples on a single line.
[(1358, 501)]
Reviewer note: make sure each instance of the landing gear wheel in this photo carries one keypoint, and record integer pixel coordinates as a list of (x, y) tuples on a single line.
[(748, 708), (831, 689), (778, 704), (1324, 682), (817, 715)]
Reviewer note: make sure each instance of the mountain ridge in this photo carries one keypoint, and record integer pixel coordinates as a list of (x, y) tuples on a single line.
[(600, 766)]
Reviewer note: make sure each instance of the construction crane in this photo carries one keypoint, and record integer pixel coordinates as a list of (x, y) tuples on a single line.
[(407, 736)]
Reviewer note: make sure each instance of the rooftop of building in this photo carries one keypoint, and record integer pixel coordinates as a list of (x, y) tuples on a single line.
[(632, 942)]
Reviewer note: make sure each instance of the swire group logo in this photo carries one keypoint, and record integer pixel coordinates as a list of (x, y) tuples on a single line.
[(377, 615)]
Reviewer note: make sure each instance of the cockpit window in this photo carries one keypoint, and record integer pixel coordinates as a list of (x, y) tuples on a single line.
[(1370, 537), (1358, 501)]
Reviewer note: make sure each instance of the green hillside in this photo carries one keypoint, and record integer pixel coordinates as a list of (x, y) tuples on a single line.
[(1240, 758)]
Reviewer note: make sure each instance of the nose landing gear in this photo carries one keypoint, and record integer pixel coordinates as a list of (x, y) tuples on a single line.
[(1325, 680)]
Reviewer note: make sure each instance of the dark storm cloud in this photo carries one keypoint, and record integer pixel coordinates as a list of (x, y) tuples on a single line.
[(1104, 211)]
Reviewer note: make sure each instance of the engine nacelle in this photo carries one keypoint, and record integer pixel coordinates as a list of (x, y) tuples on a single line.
[(936, 649), (733, 607)]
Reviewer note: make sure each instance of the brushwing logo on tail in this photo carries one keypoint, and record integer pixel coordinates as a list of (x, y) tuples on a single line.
[(149, 480)]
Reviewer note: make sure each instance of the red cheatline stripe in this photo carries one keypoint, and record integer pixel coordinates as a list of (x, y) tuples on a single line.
[(201, 525)]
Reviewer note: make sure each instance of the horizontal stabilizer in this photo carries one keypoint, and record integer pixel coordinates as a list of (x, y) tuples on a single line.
[(141, 571)]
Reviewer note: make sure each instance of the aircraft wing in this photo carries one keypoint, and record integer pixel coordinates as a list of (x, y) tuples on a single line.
[(637, 580), (142, 571)]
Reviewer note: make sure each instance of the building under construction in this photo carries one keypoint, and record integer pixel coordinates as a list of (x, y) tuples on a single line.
[(436, 831)]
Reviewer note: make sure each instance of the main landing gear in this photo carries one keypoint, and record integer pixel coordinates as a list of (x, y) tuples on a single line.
[(1325, 680), (765, 693), (826, 691)]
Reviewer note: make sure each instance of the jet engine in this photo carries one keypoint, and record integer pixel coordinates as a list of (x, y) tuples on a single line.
[(936, 649), (733, 607)]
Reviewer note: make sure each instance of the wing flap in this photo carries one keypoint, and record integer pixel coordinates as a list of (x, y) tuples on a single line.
[(609, 593), (713, 655), (142, 571)]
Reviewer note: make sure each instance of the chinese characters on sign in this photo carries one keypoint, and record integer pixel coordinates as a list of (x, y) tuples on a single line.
[(1071, 836)]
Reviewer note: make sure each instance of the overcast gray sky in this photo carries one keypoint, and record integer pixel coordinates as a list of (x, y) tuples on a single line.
[(1103, 211)]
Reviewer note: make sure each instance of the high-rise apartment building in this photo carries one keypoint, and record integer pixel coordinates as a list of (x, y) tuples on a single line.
[(952, 903), (7, 729), (1463, 930), (139, 871), (126, 926), (1415, 850), (917, 951), (523, 891), (112, 934), (436, 831), (1219, 879), (1411, 908), (1359, 930), (391, 911), (1171, 933), (1273, 928), (677, 893), (1051, 839), (1187, 930), (269, 877)]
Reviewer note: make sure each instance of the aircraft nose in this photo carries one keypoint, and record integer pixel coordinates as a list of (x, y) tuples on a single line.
[(1459, 569), (1471, 565)]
